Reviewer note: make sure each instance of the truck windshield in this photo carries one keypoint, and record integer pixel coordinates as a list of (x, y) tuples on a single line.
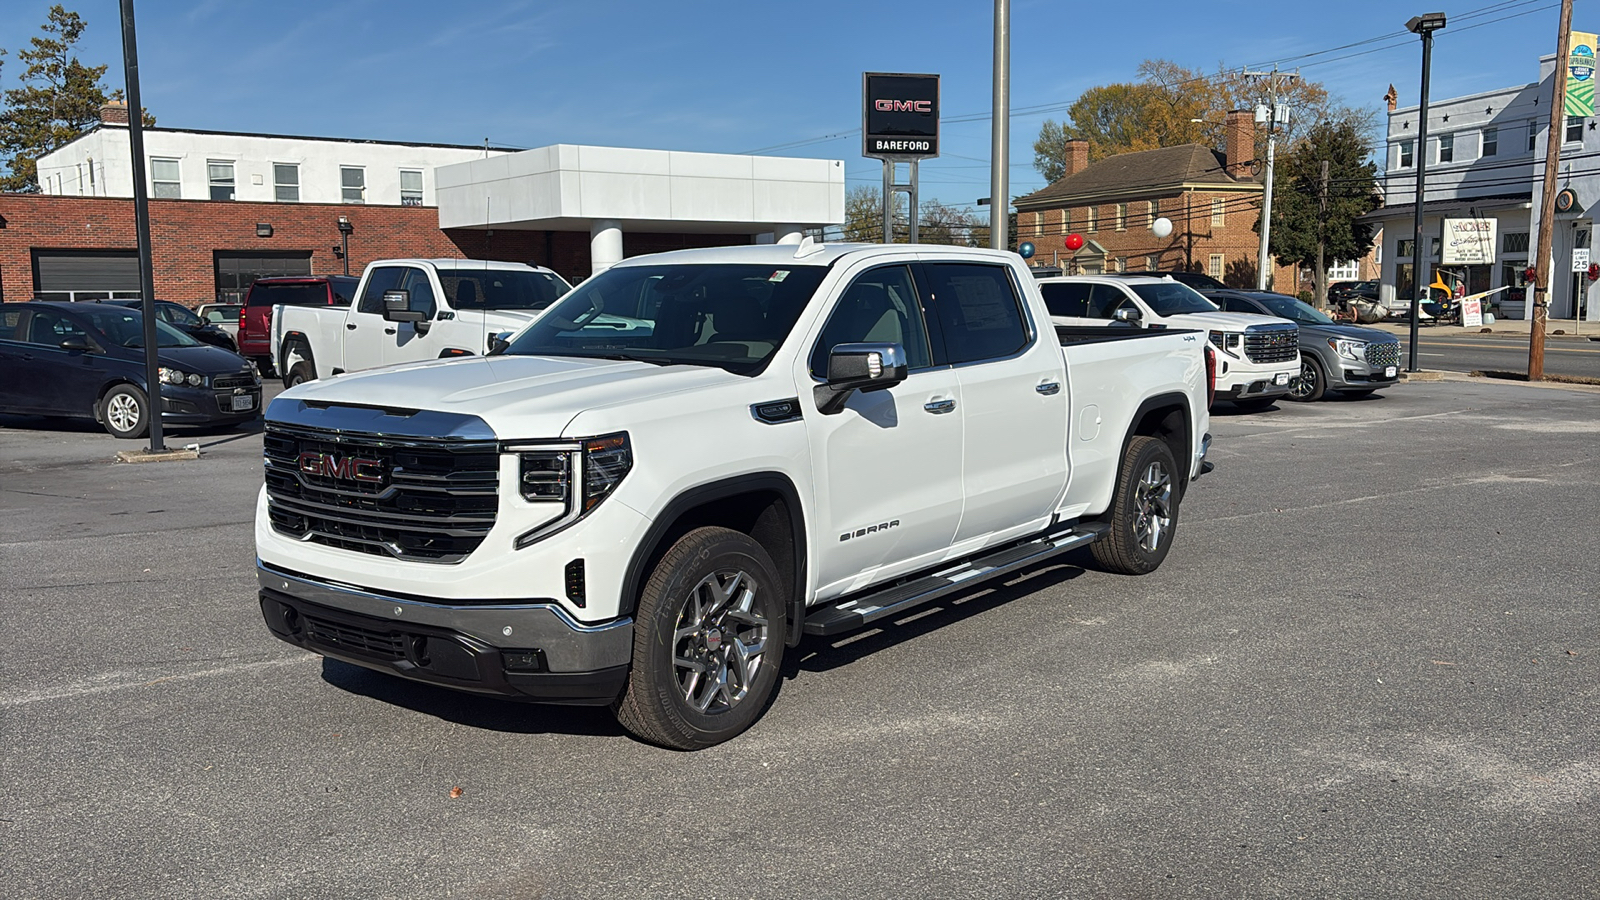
[(1172, 299), (501, 288), (729, 316)]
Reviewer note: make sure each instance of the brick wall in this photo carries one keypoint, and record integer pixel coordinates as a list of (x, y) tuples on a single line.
[(184, 234)]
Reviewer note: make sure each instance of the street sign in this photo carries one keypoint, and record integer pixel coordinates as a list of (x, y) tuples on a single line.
[(899, 116), (1580, 259)]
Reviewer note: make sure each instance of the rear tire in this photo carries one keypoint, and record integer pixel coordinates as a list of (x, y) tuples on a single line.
[(299, 373), (1144, 512), (708, 642), (125, 412)]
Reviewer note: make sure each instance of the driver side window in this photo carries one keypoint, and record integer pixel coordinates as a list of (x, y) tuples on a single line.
[(416, 282), (1106, 300), (881, 305)]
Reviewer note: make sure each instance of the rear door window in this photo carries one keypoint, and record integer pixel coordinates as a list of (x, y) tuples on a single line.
[(979, 314), (9, 319)]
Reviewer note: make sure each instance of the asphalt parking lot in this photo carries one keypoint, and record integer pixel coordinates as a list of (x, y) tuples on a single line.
[(1370, 667)]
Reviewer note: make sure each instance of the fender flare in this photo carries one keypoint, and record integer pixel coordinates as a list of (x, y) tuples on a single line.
[(1169, 398), (776, 482), (289, 339)]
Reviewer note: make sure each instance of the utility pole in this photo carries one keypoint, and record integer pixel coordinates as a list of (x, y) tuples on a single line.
[(1262, 258), (1544, 264), (1320, 277), (1000, 124)]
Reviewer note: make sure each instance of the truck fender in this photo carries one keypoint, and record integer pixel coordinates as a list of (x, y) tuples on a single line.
[(300, 345), (680, 514), (1183, 448)]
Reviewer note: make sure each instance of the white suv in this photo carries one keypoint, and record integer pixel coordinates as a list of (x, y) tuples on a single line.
[(1257, 356)]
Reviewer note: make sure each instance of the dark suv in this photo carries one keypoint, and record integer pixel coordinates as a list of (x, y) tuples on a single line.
[(255, 319)]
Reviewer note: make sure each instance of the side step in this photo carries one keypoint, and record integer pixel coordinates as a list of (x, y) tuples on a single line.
[(858, 611)]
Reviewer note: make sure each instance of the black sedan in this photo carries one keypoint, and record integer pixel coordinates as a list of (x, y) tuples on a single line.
[(186, 320), (1346, 359), (87, 360)]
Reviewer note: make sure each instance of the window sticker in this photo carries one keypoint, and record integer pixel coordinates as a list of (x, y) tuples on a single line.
[(779, 275)]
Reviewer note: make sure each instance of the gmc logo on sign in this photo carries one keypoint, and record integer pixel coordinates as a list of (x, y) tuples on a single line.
[(917, 106), (347, 468)]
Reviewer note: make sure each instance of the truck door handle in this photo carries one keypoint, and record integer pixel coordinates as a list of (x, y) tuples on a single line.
[(1048, 388), (388, 331), (350, 326), (939, 407)]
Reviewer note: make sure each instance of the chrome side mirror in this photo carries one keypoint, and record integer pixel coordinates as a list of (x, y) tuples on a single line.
[(861, 367), (1128, 315)]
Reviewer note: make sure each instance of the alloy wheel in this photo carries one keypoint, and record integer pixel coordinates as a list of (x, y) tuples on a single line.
[(123, 412), (720, 641), (1306, 385), (1153, 499)]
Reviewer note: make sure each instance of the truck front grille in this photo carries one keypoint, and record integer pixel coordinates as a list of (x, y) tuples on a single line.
[(1382, 355), (385, 645), (424, 501), (1271, 344)]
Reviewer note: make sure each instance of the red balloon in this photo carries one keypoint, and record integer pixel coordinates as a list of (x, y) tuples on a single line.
[(1074, 242)]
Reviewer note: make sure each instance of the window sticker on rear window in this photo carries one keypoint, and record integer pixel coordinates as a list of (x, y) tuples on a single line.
[(779, 275)]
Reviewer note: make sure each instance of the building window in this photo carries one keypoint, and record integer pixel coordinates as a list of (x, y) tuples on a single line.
[(1152, 209), (352, 184), (1447, 148), (286, 182), (1345, 270), (1533, 134), (1122, 264), (1491, 142), (410, 187), (1091, 224), (1152, 263), (219, 175), (1214, 266), (1514, 242), (1574, 130), (1122, 217), (1218, 212), (1066, 221), (1406, 160), (164, 181)]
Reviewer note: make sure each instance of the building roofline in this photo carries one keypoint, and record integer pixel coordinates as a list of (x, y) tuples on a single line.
[(101, 126)]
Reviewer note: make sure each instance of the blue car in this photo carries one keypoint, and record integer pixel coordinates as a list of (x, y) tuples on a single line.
[(87, 360)]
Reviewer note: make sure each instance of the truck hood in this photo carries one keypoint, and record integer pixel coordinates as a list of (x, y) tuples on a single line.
[(1349, 333), (1222, 321), (519, 396)]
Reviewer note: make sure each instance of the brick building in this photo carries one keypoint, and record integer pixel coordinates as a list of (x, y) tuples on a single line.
[(1212, 199)]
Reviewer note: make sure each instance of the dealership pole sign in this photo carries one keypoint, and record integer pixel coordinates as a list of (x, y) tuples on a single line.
[(899, 124)]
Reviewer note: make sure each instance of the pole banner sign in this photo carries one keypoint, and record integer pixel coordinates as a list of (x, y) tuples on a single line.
[(899, 115), (1468, 242), (1580, 74)]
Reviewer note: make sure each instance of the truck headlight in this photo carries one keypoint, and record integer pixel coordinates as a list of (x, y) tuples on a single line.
[(1354, 350), (1227, 341), (577, 475)]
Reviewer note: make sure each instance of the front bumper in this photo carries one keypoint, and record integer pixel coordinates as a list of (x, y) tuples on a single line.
[(528, 650), (1250, 390), (184, 405)]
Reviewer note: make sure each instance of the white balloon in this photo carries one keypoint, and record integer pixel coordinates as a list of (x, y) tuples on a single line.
[(1161, 227)]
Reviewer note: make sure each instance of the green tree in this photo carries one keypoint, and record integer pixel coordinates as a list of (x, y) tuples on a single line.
[(1314, 221), (58, 98)]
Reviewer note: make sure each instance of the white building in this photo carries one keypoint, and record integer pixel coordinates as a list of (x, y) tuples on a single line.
[(221, 165)]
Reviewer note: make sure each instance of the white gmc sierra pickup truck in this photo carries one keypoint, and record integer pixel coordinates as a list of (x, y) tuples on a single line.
[(695, 458), (453, 306), (1257, 356)]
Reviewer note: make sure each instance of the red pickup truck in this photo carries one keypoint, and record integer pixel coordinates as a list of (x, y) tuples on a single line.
[(255, 317)]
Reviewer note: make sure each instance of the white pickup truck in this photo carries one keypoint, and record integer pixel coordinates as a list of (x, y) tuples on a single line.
[(1258, 356), (438, 308), (695, 458)]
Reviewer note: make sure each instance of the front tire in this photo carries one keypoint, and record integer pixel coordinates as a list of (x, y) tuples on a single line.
[(1311, 384), (1144, 512), (707, 644), (125, 412)]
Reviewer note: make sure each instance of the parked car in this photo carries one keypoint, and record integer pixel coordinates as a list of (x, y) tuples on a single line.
[(1346, 359), (1342, 291), (255, 325), (1256, 357), (224, 316), (186, 320), (442, 308), (87, 360)]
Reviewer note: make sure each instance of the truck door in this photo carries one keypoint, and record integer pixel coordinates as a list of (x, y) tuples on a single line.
[(408, 344), (887, 467), (1013, 397), (366, 331)]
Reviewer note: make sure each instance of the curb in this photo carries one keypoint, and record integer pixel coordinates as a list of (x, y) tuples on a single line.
[(145, 456)]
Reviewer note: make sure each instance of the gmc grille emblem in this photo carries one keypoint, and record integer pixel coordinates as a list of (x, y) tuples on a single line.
[(348, 468)]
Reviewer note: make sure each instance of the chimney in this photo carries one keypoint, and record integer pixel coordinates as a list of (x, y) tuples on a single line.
[(1077, 156), (1393, 97), (1240, 131), (114, 113)]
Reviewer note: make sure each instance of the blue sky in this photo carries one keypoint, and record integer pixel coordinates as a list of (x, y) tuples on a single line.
[(740, 76)]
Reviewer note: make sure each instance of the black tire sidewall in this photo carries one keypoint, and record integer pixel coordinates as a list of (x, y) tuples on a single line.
[(712, 550), (1120, 550), (143, 426), (301, 367)]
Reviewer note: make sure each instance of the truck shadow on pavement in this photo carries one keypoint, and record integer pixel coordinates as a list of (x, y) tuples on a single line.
[(471, 710)]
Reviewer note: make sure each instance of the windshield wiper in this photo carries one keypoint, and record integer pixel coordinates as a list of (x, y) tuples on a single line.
[(628, 357)]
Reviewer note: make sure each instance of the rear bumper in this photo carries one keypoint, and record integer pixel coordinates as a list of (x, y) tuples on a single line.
[(527, 651)]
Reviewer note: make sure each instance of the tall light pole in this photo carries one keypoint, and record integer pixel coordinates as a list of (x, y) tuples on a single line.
[(1000, 123), (1424, 25), (1263, 257), (141, 227)]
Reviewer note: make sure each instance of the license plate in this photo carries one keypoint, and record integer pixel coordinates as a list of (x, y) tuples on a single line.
[(242, 403), (1281, 378), (1391, 371)]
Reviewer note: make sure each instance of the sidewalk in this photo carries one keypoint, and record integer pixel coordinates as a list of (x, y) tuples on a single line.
[(1501, 327)]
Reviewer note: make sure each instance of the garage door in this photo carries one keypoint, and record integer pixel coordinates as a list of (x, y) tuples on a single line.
[(85, 274), (237, 270)]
